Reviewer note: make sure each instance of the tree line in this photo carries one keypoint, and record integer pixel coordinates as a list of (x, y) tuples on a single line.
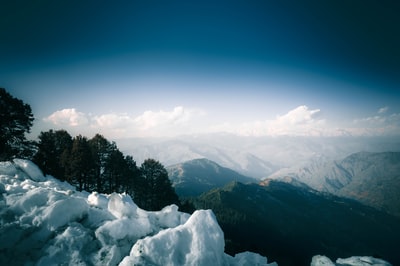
[(94, 164)]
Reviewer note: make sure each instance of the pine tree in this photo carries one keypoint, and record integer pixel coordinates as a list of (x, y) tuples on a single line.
[(160, 191), (100, 148), (115, 168), (132, 180), (16, 119), (53, 148), (80, 164)]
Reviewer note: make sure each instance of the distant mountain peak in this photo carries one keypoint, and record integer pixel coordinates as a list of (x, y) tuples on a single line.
[(193, 177)]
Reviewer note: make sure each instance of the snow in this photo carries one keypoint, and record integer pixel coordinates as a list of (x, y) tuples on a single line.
[(44, 221), (319, 260)]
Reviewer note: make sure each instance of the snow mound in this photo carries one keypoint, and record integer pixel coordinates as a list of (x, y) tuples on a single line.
[(44, 221), (319, 260)]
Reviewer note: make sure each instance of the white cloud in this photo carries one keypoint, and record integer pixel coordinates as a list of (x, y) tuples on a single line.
[(298, 116), (179, 120), (68, 117), (383, 110), (381, 123), (151, 119), (300, 121), (112, 120)]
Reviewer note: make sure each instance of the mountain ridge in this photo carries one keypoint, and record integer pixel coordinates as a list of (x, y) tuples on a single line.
[(280, 216), (257, 157), (191, 178), (372, 178)]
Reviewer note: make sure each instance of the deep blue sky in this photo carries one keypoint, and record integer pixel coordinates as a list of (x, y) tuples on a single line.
[(228, 63)]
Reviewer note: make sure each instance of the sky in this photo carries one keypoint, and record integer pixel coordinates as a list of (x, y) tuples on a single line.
[(166, 68)]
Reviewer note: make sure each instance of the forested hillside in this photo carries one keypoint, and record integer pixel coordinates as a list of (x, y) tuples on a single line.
[(288, 224), (194, 177)]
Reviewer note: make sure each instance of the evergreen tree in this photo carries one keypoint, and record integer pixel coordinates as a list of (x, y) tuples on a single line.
[(115, 169), (80, 164), (53, 149), (159, 188), (16, 119), (100, 148), (132, 176)]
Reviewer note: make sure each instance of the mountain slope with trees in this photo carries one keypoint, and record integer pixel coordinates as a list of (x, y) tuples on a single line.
[(288, 224), (196, 176)]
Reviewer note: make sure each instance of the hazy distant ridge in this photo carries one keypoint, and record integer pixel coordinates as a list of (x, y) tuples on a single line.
[(196, 176), (371, 178)]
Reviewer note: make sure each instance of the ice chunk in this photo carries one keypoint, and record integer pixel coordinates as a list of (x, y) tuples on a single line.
[(30, 169), (62, 212), (319, 260), (169, 216), (33, 198), (7, 168), (362, 261), (111, 232), (200, 241), (250, 258), (122, 205), (98, 200), (72, 246)]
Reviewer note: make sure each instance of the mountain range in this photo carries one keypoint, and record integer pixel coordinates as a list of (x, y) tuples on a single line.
[(257, 157), (310, 195), (288, 223), (371, 178)]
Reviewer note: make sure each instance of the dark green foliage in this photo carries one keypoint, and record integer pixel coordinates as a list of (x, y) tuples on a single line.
[(80, 164), (132, 180), (53, 151), (115, 170), (289, 225), (100, 148), (16, 119), (159, 191), (98, 165)]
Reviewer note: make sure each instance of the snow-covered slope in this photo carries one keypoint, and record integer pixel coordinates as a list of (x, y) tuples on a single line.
[(47, 222)]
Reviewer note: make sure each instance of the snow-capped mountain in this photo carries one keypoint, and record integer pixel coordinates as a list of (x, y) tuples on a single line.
[(196, 176), (371, 178)]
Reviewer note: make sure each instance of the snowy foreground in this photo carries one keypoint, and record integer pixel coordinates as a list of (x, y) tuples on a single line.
[(47, 222)]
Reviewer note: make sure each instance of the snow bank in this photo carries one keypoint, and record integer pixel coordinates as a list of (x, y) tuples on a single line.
[(319, 260), (47, 222)]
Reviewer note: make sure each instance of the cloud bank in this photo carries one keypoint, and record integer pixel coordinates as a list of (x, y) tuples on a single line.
[(300, 121), (117, 125), (68, 117)]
